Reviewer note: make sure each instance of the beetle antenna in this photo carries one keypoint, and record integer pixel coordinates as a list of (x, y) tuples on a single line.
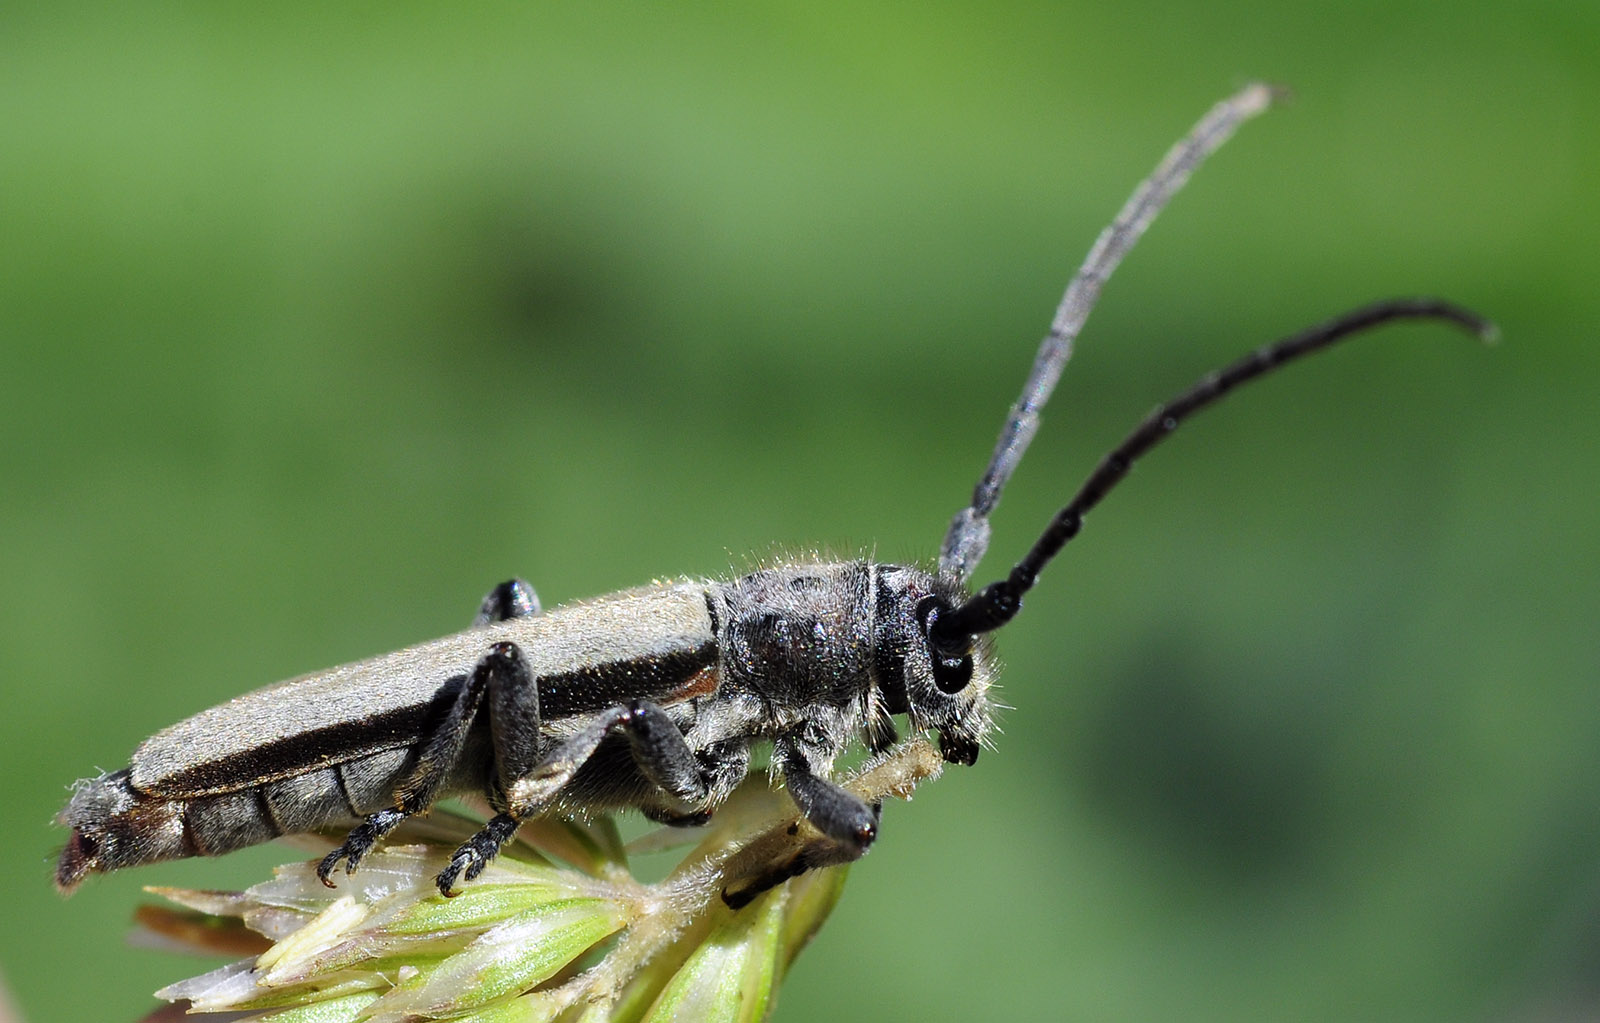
[(968, 538), (1000, 601)]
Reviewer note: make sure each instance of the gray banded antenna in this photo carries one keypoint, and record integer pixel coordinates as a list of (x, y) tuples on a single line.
[(968, 538), (996, 604)]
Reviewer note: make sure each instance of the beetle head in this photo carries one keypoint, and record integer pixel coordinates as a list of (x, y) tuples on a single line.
[(939, 687)]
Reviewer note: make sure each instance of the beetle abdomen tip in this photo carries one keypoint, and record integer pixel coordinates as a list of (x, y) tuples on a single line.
[(113, 826), (78, 860)]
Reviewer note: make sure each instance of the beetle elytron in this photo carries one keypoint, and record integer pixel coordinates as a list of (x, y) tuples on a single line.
[(652, 698)]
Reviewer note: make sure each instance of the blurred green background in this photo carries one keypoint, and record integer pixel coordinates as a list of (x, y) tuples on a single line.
[(317, 323)]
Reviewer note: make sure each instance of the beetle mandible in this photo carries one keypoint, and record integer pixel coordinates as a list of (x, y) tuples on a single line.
[(653, 698)]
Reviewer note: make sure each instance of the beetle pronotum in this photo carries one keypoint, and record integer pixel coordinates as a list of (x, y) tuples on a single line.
[(653, 698)]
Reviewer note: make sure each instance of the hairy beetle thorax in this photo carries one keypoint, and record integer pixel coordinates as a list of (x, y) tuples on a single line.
[(799, 635)]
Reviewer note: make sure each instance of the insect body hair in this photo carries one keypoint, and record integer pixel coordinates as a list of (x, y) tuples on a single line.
[(832, 648)]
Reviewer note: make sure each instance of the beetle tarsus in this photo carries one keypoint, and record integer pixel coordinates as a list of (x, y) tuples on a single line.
[(501, 670), (358, 843), (660, 751), (742, 896), (475, 853)]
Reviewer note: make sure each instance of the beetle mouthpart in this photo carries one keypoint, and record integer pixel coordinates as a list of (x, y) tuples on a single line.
[(958, 748)]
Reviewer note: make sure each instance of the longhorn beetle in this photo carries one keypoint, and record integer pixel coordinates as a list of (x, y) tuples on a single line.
[(652, 698)]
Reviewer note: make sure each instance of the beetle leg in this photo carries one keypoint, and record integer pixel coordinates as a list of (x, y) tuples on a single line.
[(661, 752), (501, 668), (836, 813), (824, 852), (723, 765), (358, 843), (438, 756), (848, 827), (514, 718), (513, 598), (527, 796), (814, 855), (677, 818), (879, 733)]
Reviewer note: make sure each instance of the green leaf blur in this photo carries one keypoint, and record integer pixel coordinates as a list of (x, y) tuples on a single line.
[(317, 322)]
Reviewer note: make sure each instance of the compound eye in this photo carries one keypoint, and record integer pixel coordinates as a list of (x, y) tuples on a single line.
[(952, 674), (952, 669)]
